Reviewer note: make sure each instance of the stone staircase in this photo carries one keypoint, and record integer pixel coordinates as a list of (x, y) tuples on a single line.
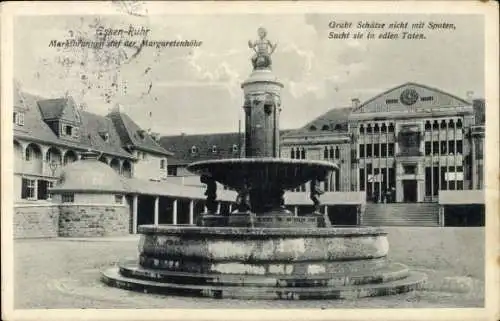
[(401, 214)]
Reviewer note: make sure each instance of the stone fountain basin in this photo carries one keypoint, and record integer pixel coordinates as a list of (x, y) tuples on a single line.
[(262, 172), (241, 249)]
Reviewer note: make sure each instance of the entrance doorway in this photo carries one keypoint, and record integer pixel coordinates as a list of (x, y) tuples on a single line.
[(410, 191)]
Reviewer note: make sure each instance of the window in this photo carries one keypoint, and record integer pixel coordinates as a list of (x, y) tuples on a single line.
[(428, 125), (325, 127), (391, 101), (369, 150), (383, 152), (68, 198), (49, 185), (303, 154), (383, 128), (331, 153), (28, 189), (435, 125), (337, 153), (409, 169), (214, 149), (369, 129), (68, 130), (119, 199), (459, 147), (391, 150), (361, 150), (235, 149), (376, 150), (428, 148), (194, 150), (451, 147), (376, 128), (325, 153), (162, 164), (172, 171), (435, 148), (29, 153), (312, 128), (459, 123), (361, 129), (428, 98), (18, 118), (443, 147), (391, 128), (292, 153)]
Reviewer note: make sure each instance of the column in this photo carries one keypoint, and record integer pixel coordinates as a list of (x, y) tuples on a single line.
[(218, 208), (325, 210), (191, 212), (156, 213), (174, 212), (441, 216), (473, 163), (134, 214), (230, 207), (295, 210)]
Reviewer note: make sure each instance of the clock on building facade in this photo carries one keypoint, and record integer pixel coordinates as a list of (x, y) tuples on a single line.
[(409, 96)]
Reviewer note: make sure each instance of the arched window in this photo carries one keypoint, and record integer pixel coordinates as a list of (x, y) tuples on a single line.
[(235, 148), (194, 150), (331, 153), (361, 129), (443, 124), (391, 128), (337, 153), (325, 153), (297, 153), (428, 125), (383, 128), (459, 123), (292, 153), (312, 128), (376, 128), (451, 124), (325, 127), (303, 154), (435, 125), (214, 149), (369, 129), (338, 127)]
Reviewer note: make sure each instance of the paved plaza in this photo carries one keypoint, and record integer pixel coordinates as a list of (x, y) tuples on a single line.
[(64, 273)]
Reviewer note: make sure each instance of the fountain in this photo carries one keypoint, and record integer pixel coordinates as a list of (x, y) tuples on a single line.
[(261, 250)]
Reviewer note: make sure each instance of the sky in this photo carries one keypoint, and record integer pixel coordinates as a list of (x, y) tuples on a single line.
[(198, 90)]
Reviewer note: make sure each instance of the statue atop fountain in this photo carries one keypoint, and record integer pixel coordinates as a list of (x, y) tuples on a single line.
[(263, 50)]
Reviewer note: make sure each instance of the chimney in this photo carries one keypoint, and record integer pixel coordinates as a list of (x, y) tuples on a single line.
[(355, 102), (470, 95)]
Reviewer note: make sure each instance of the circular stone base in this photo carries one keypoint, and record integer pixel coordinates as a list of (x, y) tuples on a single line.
[(264, 263), (149, 282)]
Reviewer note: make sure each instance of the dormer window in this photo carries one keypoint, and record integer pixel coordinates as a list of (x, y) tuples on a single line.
[(194, 150), (235, 149), (214, 149), (68, 130), (19, 118)]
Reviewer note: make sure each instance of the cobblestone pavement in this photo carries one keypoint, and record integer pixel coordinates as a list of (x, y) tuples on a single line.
[(64, 273)]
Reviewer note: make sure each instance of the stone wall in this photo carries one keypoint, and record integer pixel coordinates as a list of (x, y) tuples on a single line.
[(36, 221), (82, 220)]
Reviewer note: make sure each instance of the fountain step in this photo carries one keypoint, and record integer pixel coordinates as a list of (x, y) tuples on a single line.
[(391, 272), (413, 282), (262, 268)]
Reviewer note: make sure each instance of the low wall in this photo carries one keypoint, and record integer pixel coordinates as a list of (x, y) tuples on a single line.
[(36, 221), (83, 220)]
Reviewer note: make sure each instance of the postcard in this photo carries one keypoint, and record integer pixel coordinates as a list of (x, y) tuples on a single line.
[(250, 160)]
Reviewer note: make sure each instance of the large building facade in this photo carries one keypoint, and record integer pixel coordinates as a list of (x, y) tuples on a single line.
[(405, 145)]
